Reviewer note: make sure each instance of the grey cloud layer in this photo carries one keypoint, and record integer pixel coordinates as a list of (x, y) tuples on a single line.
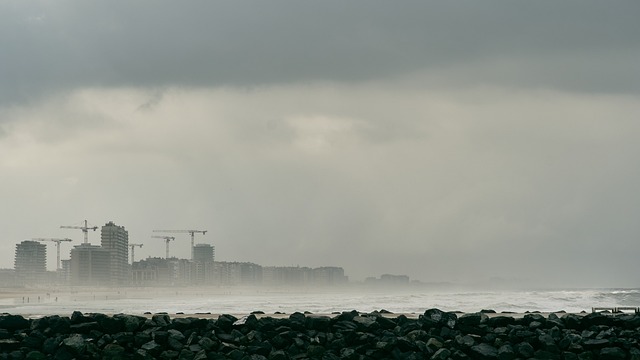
[(439, 186), (586, 45), (444, 140)]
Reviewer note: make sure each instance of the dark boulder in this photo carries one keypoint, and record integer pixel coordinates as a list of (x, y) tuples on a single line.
[(35, 355), (9, 344), (161, 320), (500, 321), (113, 352), (597, 319), (436, 317), (524, 350), (169, 355), (131, 322), (464, 342), (612, 353), (225, 321), (13, 322), (59, 325), (75, 344), (591, 344), (483, 352), (84, 327), (319, 323), (186, 354), (506, 352), (442, 354), (572, 321), (472, 319), (124, 338), (152, 348), (544, 354)]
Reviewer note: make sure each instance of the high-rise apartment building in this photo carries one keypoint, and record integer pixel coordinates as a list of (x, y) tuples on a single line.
[(203, 252), (115, 239), (203, 255), (31, 260), (90, 265)]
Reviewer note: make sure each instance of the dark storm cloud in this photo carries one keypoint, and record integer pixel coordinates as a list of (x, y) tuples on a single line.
[(586, 45)]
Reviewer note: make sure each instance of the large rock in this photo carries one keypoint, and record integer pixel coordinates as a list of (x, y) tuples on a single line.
[(472, 319), (500, 321), (320, 323), (442, 354), (506, 352), (591, 344), (59, 325), (612, 353), (131, 322), (113, 352), (35, 355), (226, 321), (436, 317), (524, 349), (9, 344), (13, 322), (161, 320), (483, 352), (75, 344), (152, 348), (84, 327)]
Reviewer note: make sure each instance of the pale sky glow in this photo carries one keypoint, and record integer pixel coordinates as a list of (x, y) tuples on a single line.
[(502, 144)]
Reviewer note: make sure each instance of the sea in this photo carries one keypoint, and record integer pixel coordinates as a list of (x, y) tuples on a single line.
[(241, 300)]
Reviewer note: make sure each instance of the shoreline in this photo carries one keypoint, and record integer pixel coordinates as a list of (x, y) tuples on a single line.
[(38, 302)]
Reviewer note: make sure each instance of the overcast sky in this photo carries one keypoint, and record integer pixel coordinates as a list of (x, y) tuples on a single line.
[(449, 141)]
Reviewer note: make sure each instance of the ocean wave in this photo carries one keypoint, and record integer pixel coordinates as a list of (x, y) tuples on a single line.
[(245, 301)]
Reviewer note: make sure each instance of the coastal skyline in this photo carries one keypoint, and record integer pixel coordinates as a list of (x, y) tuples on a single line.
[(446, 141)]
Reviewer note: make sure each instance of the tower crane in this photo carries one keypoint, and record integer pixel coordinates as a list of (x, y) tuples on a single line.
[(166, 239), (133, 246), (192, 232), (85, 229), (57, 241)]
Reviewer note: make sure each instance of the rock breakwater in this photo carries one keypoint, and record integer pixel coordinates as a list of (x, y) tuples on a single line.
[(434, 335)]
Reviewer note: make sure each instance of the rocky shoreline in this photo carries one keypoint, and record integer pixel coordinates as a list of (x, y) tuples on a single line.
[(351, 335)]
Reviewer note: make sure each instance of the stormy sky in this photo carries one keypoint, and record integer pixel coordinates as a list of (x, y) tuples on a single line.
[(450, 141)]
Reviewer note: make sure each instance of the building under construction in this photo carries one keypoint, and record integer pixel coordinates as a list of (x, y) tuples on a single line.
[(90, 265)]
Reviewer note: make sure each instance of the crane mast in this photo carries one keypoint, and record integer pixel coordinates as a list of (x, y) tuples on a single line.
[(133, 246), (191, 232), (57, 241), (166, 239), (85, 229)]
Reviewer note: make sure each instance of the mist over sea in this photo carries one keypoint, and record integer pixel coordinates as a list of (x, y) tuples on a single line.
[(237, 300)]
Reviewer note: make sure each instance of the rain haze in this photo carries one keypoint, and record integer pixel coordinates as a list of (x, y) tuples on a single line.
[(455, 141)]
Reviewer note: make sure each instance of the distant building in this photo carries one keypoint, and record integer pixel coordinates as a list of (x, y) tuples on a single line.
[(115, 239), (287, 275), (163, 272), (388, 280), (329, 275), (9, 279), (153, 271), (90, 265), (31, 261), (303, 276), (203, 252), (64, 274), (394, 279), (236, 273), (203, 255)]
